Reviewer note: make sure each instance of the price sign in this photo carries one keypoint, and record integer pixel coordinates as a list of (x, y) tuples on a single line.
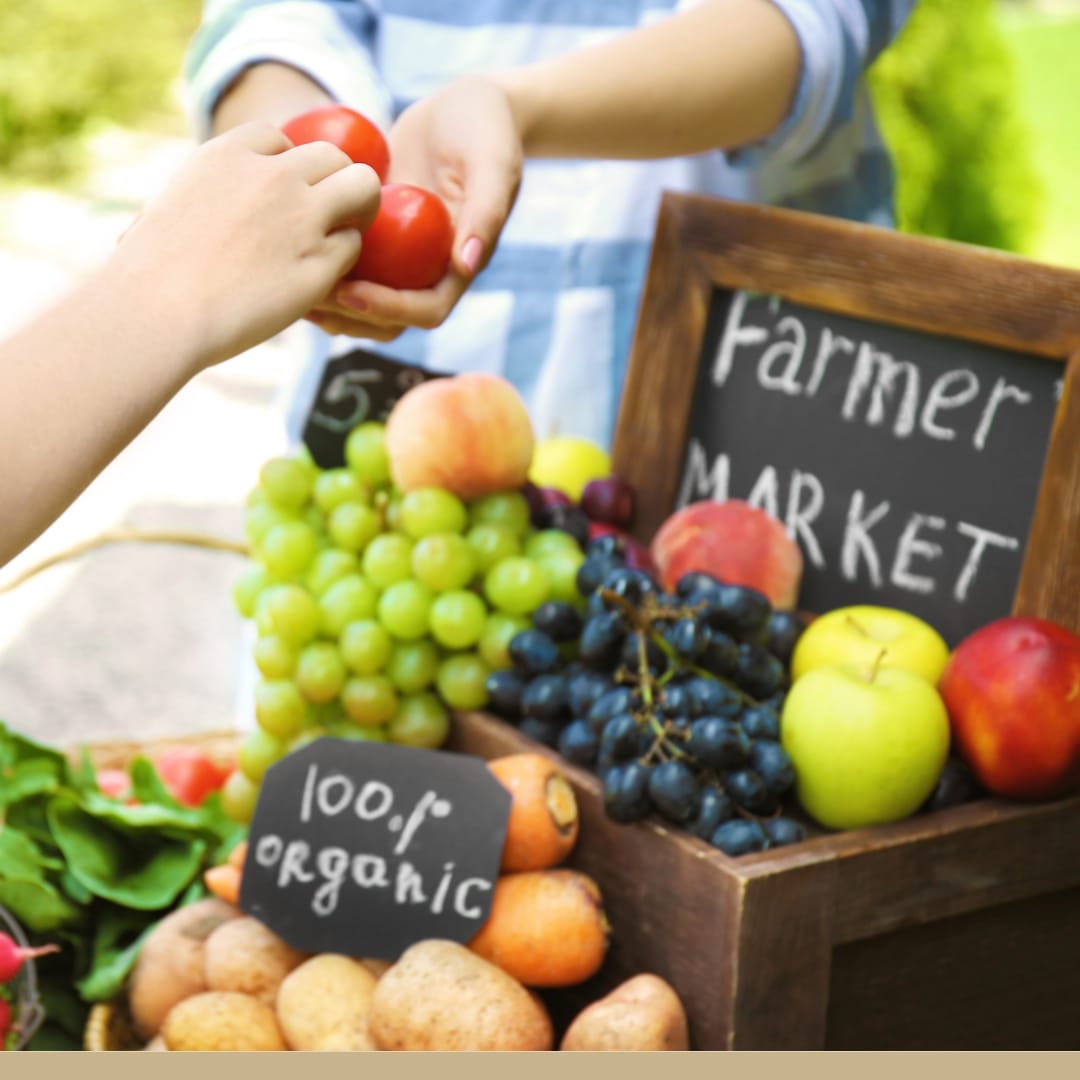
[(360, 385), (366, 848)]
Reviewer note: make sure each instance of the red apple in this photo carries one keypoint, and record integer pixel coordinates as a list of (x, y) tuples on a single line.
[(469, 433), (1012, 689), (610, 500), (736, 543)]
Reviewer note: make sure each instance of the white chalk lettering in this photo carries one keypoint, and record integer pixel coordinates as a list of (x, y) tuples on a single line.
[(309, 787), (292, 863), (429, 802), (939, 399), (373, 789), (407, 887), (800, 515), (857, 539), (701, 482), (983, 538), (1002, 391), (878, 372), (790, 353), (911, 546), (442, 889), (333, 865), (461, 895), (324, 794), (734, 336), (829, 345), (268, 849), (369, 871), (765, 494)]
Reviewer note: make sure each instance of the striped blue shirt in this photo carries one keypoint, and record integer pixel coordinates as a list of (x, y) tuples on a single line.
[(554, 310)]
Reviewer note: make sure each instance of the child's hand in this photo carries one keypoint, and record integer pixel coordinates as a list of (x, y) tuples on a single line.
[(245, 239), (463, 144)]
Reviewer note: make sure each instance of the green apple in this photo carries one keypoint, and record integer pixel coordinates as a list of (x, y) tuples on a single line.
[(568, 463), (863, 633), (868, 743)]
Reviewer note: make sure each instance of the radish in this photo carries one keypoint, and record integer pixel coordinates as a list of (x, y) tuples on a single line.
[(5, 1020), (12, 955)]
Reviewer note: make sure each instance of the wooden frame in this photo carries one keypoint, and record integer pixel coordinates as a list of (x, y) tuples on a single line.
[(938, 287)]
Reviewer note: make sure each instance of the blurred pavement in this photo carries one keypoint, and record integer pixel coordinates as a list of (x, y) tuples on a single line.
[(133, 640)]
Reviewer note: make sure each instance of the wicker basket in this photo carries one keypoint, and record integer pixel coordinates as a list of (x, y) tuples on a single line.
[(109, 1027)]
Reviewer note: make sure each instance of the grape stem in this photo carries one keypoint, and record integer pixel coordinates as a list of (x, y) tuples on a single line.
[(125, 534)]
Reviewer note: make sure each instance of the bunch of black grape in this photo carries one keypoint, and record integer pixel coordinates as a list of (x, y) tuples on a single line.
[(673, 699)]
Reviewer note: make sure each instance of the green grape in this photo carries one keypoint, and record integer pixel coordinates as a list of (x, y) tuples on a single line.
[(443, 561), (336, 486), (491, 543), (308, 735), (369, 699), (550, 542), (257, 752), (507, 508), (360, 732), (280, 708), (365, 646), (390, 505), (260, 518), (330, 565), (404, 609), (348, 599), (238, 797), (388, 559), (420, 721), (252, 580), (499, 628), (457, 618), (287, 549), (326, 714), (432, 510), (561, 569), (461, 681), (365, 453), (287, 482), (518, 585), (288, 611), (274, 656), (353, 525), (412, 665), (320, 672)]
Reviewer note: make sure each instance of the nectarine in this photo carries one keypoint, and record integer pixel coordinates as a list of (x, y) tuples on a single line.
[(469, 434)]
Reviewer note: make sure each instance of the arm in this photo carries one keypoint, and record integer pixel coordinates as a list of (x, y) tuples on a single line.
[(248, 219)]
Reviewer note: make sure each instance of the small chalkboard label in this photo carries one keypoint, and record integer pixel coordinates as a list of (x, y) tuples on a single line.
[(909, 408), (366, 848), (357, 386)]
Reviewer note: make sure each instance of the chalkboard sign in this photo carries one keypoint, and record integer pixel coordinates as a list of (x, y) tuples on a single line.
[(907, 407), (357, 386), (366, 848)]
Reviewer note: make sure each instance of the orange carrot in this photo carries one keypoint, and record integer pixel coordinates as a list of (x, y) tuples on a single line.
[(543, 824), (224, 882), (238, 855), (546, 927)]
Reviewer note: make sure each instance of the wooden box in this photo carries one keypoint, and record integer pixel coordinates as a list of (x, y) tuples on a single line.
[(957, 930)]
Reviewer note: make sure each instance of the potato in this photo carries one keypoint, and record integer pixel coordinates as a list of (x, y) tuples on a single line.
[(247, 957), (643, 1013), (378, 968), (170, 963), (324, 1003), (441, 996), (222, 1020)]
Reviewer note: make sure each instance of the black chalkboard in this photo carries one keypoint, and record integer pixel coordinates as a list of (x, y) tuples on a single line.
[(357, 386), (366, 848), (906, 465)]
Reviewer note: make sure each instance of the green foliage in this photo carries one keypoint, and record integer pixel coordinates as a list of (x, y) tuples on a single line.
[(947, 104), (70, 66)]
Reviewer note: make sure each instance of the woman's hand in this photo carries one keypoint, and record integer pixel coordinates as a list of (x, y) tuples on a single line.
[(462, 143)]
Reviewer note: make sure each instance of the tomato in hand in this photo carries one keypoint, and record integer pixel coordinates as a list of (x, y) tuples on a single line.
[(408, 244), (189, 774), (347, 129)]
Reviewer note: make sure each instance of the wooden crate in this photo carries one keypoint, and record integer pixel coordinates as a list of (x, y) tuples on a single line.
[(949, 931)]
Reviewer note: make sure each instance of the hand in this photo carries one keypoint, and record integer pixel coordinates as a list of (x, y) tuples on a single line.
[(247, 237), (462, 143)]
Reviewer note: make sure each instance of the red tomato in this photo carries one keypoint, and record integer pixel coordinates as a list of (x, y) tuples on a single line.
[(189, 774), (407, 246), (346, 129), (113, 782)]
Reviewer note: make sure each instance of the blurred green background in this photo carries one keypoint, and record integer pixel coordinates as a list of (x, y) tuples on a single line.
[(976, 98)]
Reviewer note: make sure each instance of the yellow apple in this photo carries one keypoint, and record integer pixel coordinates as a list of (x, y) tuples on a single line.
[(863, 633), (568, 463), (868, 743)]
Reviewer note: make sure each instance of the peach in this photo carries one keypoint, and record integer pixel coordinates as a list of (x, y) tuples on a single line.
[(733, 541), (469, 434)]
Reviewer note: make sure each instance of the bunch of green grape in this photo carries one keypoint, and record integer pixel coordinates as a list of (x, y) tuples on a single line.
[(379, 612)]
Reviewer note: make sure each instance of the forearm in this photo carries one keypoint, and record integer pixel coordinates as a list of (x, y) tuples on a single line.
[(720, 75), (269, 92), (76, 386)]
